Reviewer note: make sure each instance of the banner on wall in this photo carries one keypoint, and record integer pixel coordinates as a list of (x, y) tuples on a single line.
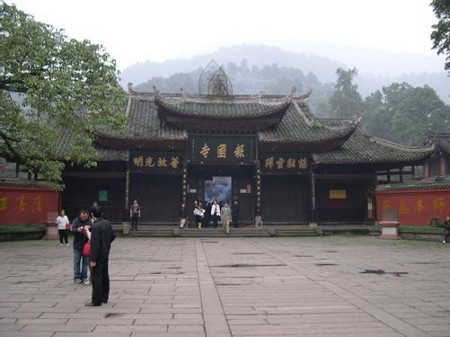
[(23, 206)]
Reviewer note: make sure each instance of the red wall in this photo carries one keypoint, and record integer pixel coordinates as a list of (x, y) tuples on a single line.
[(414, 207), (24, 205)]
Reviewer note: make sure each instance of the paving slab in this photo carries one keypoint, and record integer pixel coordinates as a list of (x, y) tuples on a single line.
[(232, 287)]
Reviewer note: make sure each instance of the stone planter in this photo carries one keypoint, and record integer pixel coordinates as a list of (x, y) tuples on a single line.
[(126, 228), (51, 231), (389, 229)]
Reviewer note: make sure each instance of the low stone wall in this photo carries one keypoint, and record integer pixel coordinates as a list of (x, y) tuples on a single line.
[(19, 235), (421, 236)]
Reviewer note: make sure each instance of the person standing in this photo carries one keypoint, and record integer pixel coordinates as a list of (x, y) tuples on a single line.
[(199, 214), (79, 227), (215, 213), (135, 214), (182, 216), (226, 217), (207, 215), (63, 221), (446, 229), (102, 235), (235, 214)]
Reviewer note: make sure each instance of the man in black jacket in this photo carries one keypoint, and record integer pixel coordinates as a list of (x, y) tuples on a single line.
[(101, 237), (79, 239)]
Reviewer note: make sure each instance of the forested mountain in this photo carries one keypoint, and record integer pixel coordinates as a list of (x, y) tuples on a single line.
[(402, 110), (323, 67), (267, 79), (376, 69)]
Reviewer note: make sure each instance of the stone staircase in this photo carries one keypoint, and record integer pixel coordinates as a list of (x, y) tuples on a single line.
[(266, 231)]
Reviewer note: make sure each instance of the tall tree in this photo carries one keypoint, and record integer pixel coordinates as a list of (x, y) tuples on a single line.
[(375, 119), (65, 85), (441, 30), (346, 100), (421, 112)]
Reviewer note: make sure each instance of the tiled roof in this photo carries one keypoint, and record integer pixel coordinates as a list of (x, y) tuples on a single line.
[(443, 141), (332, 141), (223, 108), (144, 122), (65, 138), (299, 125), (425, 184), (29, 183), (362, 148)]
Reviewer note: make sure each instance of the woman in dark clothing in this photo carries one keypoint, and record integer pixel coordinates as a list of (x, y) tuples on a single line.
[(182, 216), (235, 213)]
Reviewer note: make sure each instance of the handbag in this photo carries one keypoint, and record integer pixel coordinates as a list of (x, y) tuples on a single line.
[(68, 227), (86, 249)]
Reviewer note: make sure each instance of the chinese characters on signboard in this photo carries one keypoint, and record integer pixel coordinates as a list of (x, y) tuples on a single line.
[(416, 206), (285, 163), (222, 149), (156, 162), (21, 204), (337, 194)]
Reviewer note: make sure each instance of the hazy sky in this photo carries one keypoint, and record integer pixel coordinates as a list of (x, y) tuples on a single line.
[(139, 30)]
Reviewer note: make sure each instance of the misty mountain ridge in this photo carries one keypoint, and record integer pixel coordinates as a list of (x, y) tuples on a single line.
[(375, 68)]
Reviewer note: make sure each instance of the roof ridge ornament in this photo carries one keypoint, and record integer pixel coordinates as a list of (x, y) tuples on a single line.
[(305, 96), (219, 84), (292, 93), (205, 77), (358, 117), (131, 90)]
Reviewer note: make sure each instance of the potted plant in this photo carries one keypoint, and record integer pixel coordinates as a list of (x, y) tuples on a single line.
[(434, 221)]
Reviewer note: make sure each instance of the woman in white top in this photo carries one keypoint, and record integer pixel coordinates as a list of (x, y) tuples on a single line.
[(62, 221), (215, 213)]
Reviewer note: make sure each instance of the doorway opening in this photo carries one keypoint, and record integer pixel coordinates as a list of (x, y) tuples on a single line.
[(218, 188)]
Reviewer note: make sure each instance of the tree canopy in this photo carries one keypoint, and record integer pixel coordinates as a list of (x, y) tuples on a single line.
[(441, 30), (405, 114), (50, 84), (346, 100)]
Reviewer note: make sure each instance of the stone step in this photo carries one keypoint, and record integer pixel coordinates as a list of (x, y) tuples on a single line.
[(217, 232)]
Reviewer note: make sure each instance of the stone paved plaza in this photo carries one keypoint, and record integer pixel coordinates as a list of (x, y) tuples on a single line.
[(320, 286)]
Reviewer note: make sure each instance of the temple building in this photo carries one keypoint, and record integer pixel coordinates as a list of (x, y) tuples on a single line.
[(423, 201), (269, 153)]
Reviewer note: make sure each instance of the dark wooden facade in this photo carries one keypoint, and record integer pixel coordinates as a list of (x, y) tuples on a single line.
[(285, 164)]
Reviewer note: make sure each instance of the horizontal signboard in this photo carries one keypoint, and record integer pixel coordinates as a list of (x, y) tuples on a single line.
[(222, 149), (285, 163), (156, 162)]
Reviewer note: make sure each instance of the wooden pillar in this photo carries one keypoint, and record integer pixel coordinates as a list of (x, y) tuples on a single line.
[(184, 183), (313, 215), (258, 187), (127, 191)]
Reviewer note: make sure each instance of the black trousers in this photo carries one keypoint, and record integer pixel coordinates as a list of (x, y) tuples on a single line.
[(446, 234), (63, 235), (100, 282), (215, 219), (134, 222), (234, 218)]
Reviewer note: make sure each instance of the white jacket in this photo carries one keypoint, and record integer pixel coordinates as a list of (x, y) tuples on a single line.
[(215, 209)]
